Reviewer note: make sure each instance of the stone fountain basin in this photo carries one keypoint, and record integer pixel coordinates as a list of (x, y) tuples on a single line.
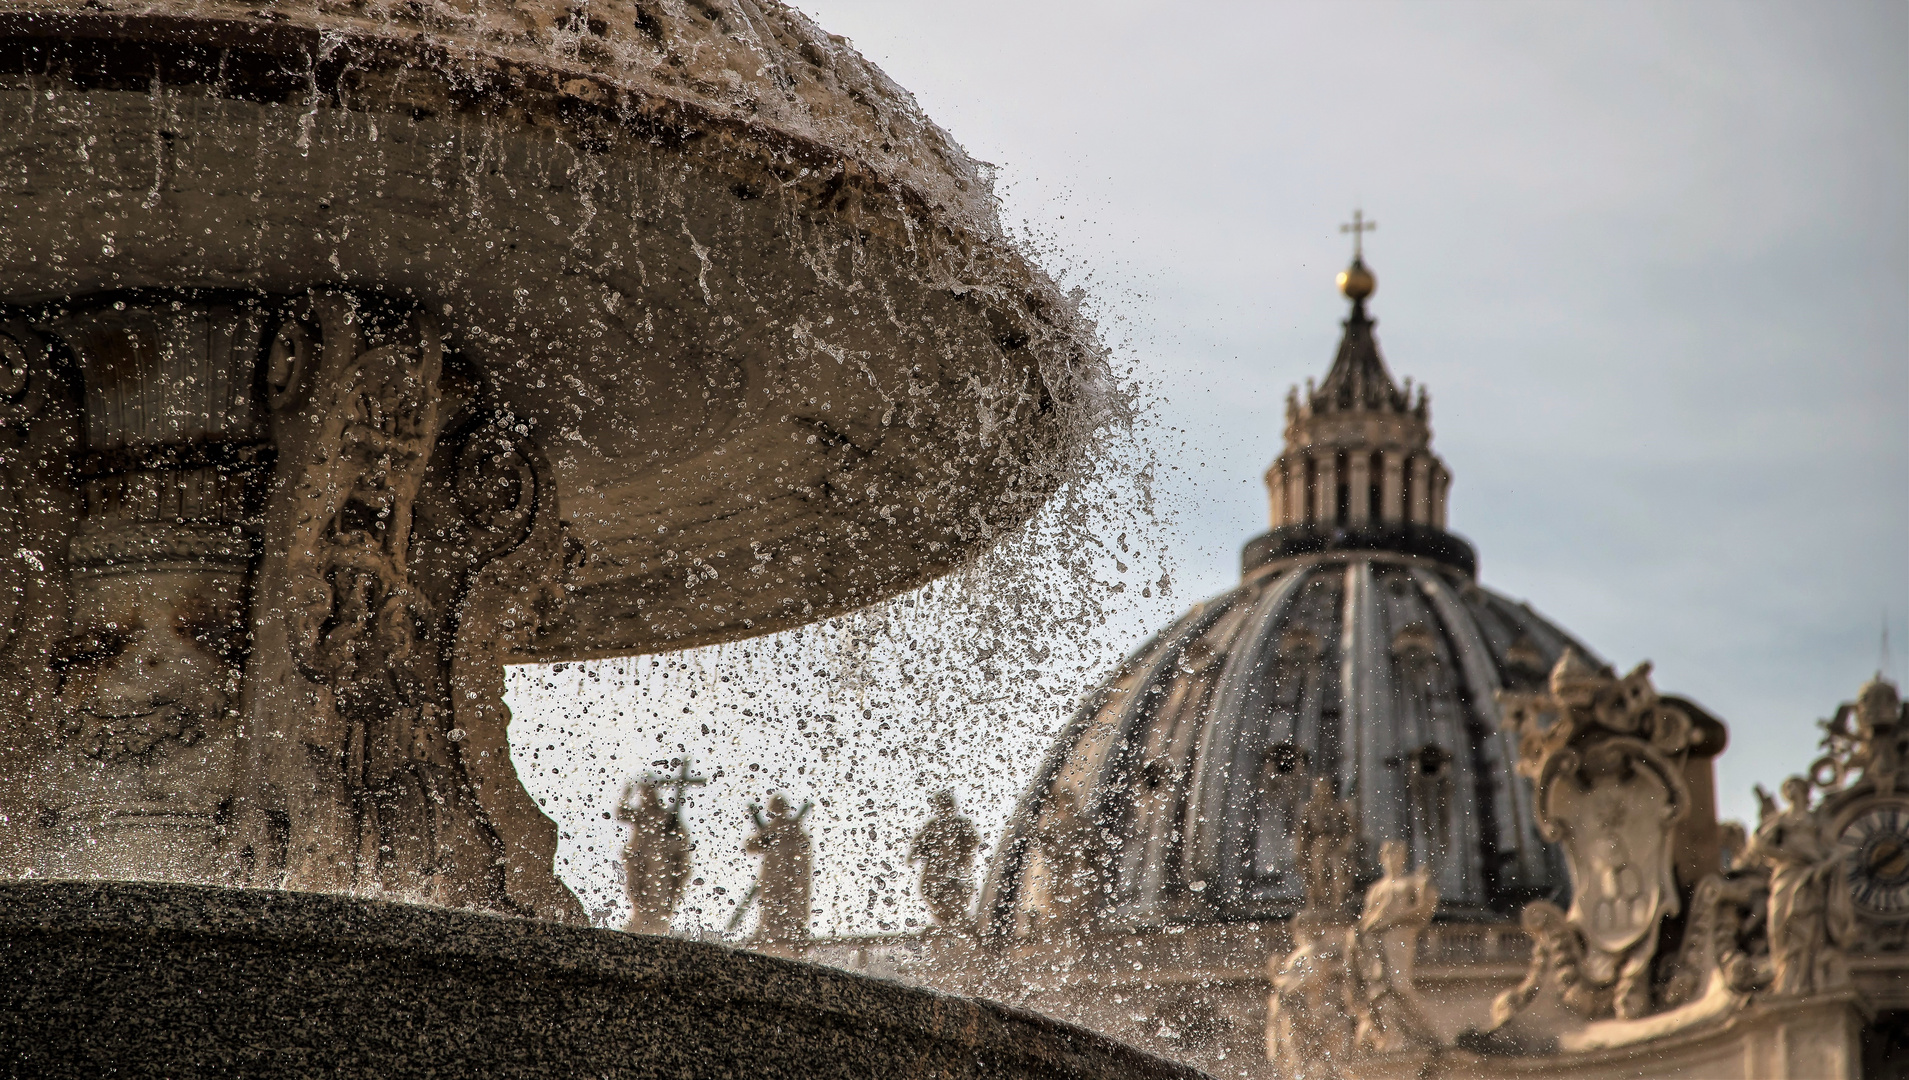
[(179, 980), (778, 355)]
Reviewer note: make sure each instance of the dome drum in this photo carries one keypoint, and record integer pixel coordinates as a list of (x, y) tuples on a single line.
[(1413, 541)]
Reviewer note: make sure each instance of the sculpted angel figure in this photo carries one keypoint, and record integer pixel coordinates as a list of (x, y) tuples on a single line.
[(655, 858), (945, 848), (1810, 914)]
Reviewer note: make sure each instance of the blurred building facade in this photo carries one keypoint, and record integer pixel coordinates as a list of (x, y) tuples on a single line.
[(1160, 880)]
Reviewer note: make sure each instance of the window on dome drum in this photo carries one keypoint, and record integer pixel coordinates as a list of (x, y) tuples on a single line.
[(1405, 489), (1284, 776), (1375, 499), (1430, 782), (1312, 492), (1342, 501)]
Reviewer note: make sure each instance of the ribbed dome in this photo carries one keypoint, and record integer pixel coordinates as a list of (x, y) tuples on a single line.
[(1374, 670), (1357, 648)]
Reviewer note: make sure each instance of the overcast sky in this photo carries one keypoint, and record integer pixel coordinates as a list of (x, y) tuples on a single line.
[(1652, 261)]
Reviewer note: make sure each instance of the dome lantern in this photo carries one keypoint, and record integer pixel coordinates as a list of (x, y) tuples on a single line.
[(1358, 470)]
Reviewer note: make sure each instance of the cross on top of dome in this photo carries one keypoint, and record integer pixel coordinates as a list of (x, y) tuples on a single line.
[(1356, 281)]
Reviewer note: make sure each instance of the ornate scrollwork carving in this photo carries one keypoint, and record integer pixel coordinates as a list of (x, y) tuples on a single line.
[(359, 625), (1724, 937), (510, 565), (18, 404)]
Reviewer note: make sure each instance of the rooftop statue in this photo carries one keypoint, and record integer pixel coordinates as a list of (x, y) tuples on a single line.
[(784, 883), (1310, 1032), (1323, 838), (655, 858), (1810, 912), (945, 848), (1383, 951)]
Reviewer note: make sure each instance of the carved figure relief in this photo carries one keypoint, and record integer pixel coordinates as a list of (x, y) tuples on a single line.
[(358, 623), (422, 545), (1605, 757), (945, 848), (359, 626)]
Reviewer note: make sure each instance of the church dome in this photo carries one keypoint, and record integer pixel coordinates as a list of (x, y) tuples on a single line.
[(1358, 647)]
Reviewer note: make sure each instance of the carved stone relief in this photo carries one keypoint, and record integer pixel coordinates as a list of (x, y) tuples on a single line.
[(423, 545), (168, 477), (303, 543)]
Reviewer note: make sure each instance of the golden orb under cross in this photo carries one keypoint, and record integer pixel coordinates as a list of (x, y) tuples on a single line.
[(1356, 281)]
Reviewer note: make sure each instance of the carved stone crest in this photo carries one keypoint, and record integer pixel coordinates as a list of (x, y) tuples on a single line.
[(1605, 756)]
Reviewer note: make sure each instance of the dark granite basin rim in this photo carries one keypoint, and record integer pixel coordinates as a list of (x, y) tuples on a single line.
[(282, 981)]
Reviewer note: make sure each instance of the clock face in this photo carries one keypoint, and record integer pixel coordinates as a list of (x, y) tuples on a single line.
[(1875, 850)]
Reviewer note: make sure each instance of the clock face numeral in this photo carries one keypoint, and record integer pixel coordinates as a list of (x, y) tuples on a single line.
[(1875, 849)]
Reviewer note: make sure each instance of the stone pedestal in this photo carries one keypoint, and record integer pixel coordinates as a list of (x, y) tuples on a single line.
[(1812, 1038)]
